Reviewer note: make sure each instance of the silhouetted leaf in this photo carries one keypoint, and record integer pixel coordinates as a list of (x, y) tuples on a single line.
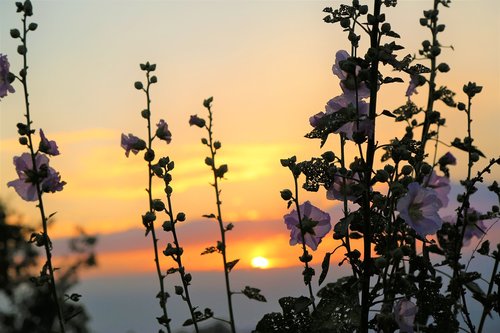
[(253, 293)]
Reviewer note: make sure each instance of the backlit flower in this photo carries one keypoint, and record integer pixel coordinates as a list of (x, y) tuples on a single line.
[(349, 82), (133, 144), (447, 159), (419, 209), (441, 185), (359, 122), (47, 146), (48, 178), (412, 86), (341, 188), (162, 131), (404, 314), (197, 121), (315, 225), (5, 86), (475, 226)]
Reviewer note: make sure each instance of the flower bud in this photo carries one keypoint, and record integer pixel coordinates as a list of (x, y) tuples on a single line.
[(149, 155), (32, 26), (179, 290), (443, 67), (158, 205), (461, 106), (145, 114), (23, 140), (217, 145), (207, 102), (153, 79), (425, 168), (138, 85), (286, 194), (181, 217), (167, 226), (21, 49), (406, 170), (14, 33)]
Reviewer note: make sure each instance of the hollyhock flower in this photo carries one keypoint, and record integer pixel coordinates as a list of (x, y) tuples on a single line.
[(5, 86), (314, 120), (361, 124), (447, 159), (25, 186), (404, 314), (47, 146), (412, 87), (315, 225), (132, 144), (162, 131), (197, 121), (441, 185), (419, 207), (342, 188), (475, 226), (347, 81)]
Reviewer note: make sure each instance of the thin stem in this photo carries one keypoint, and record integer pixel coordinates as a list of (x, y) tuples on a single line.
[(220, 221), (161, 277), (370, 154), (304, 250), (432, 80), (490, 289), (47, 243), (178, 259)]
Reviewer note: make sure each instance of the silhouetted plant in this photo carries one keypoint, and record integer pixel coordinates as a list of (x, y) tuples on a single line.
[(30, 305)]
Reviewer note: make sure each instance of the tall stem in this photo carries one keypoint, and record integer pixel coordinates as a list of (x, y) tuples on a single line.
[(220, 222), (178, 259), (47, 243), (370, 155), (161, 277), (304, 250)]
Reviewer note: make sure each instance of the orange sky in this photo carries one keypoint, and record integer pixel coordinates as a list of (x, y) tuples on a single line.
[(267, 64)]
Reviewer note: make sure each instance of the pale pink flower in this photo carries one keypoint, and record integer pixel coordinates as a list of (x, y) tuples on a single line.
[(404, 314), (341, 188), (47, 146), (419, 209), (475, 226), (315, 225), (361, 124), (441, 185), (412, 86), (162, 131), (5, 85), (131, 143), (48, 178)]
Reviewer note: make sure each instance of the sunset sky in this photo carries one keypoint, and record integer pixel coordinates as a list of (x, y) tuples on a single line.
[(268, 66)]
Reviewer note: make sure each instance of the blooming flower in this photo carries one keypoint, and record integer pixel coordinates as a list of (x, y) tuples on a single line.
[(47, 146), (474, 228), (412, 87), (197, 121), (4, 77), (404, 314), (314, 120), (441, 185), (162, 131), (419, 207), (347, 81), (360, 123), (447, 159), (342, 188), (48, 178), (315, 225), (132, 144)]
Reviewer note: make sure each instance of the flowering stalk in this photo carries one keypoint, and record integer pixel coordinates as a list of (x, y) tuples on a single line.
[(218, 172), (39, 177), (150, 217), (176, 251), (367, 177)]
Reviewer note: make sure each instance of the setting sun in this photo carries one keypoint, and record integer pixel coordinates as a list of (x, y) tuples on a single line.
[(260, 262)]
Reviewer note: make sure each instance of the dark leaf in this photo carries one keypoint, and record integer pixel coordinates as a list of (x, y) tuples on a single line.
[(230, 265), (325, 265), (253, 293)]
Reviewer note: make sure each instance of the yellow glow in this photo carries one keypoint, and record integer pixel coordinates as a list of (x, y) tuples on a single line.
[(260, 262)]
